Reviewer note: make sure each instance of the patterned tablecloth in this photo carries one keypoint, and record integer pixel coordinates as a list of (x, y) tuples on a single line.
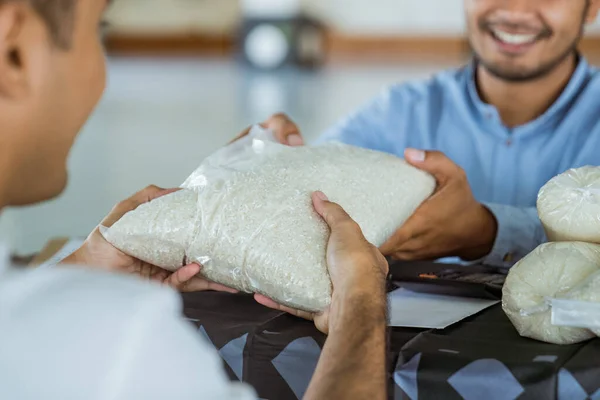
[(480, 358)]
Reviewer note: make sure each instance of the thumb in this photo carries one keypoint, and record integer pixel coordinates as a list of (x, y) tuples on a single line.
[(144, 196), (434, 162), (332, 213)]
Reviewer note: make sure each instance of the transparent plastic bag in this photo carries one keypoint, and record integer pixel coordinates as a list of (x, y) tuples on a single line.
[(569, 206), (246, 215), (580, 307), (545, 286)]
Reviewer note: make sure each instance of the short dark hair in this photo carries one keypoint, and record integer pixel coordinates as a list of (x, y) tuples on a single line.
[(59, 16)]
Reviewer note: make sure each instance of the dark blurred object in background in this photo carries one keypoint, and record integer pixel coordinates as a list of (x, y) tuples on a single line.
[(278, 33)]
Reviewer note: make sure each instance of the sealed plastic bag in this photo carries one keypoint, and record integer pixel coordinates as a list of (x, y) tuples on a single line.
[(551, 294), (580, 307), (246, 215), (569, 206)]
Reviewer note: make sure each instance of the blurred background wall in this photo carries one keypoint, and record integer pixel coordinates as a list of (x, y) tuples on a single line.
[(353, 17), (355, 26)]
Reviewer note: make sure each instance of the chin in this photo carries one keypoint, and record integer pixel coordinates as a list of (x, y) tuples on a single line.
[(32, 191), (512, 73), (524, 68)]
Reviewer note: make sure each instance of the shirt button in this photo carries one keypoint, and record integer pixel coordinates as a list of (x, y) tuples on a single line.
[(508, 257), (508, 143)]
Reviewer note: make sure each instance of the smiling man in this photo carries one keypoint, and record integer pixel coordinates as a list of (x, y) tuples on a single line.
[(525, 109)]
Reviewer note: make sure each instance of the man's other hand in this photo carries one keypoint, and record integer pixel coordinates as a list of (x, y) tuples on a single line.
[(450, 223), (97, 252), (283, 128)]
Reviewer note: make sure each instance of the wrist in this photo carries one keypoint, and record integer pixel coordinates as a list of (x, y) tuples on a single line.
[(77, 258), (363, 274), (367, 310), (484, 232), (365, 302), (365, 288)]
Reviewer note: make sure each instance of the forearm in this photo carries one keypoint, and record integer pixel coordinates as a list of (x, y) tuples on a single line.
[(352, 364)]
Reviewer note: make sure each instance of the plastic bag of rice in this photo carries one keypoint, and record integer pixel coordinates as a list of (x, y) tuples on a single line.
[(246, 215)]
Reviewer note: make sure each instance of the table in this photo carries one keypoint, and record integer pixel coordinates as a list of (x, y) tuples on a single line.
[(482, 357)]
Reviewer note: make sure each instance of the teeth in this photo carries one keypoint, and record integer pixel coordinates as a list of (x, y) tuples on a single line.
[(514, 38)]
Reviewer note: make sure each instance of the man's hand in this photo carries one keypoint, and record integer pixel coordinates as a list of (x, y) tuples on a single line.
[(97, 252), (450, 223), (283, 128), (357, 269)]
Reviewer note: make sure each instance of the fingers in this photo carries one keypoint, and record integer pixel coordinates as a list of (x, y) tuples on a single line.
[(197, 284), (186, 279), (410, 250), (179, 279), (267, 302), (332, 213), (434, 162), (285, 131), (412, 229), (423, 247), (283, 128), (144, 196), (393, 244), (216, 287)]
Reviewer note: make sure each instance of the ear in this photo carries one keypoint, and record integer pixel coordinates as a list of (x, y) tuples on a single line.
[(19, 36), (592, 13)]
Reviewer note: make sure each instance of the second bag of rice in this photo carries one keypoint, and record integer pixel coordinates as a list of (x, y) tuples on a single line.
[(246, 215)]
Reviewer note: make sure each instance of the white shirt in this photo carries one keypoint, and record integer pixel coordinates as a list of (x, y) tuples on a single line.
[(68, 333)]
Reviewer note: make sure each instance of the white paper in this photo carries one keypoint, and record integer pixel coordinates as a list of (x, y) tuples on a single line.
[(422, 310)]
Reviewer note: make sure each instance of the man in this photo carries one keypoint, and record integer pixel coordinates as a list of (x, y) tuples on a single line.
[(525, 110), (76, 333)]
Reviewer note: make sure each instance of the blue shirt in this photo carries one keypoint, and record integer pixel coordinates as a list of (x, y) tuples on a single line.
[(506, 167)]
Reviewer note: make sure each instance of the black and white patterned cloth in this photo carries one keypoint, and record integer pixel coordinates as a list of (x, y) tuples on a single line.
[(480, 358)]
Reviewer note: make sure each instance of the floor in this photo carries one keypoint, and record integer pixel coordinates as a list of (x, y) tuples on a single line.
[(159, 119)]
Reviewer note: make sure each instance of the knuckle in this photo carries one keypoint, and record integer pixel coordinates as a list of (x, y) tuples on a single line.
[(152, 188), (147, 193), (338, 216), (280, 116), (350, 225), (380, 259), (461, 173), (416, 246)]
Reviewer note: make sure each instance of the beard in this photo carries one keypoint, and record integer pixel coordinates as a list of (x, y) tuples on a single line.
[(516, 76)]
